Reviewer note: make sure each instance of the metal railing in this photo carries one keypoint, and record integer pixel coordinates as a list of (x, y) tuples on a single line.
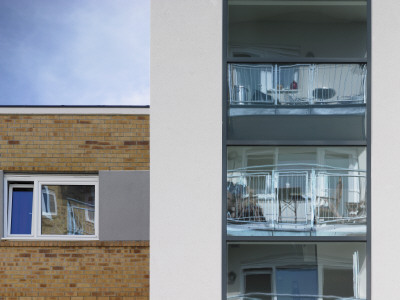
[(298, 195), (79, 221), (265, 296), (298, 84)]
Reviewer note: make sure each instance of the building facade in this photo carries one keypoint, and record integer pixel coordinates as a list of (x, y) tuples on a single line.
[(282, 171), (75, 194)]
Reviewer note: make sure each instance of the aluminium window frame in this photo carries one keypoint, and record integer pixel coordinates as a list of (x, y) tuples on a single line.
[(37, 181), (226, 60)]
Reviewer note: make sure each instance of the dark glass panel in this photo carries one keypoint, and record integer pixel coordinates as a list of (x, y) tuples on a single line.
[(274, 29)]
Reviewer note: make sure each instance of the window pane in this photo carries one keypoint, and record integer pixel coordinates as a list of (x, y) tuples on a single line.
[(306, 271), (274, 29), (65, 209), (258, 283), (21, 213), (296, 191), (297, 281)]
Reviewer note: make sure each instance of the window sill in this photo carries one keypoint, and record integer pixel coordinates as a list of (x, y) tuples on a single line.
[(71, 243), (53, 238)]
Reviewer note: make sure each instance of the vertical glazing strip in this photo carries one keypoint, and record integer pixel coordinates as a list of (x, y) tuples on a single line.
[(224, 268), (369, 143)]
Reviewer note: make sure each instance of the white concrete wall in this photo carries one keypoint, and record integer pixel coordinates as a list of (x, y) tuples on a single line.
[(385, 149), (186, 151), (185, 230)]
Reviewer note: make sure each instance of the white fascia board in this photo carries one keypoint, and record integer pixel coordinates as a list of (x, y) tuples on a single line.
[(101, 110)]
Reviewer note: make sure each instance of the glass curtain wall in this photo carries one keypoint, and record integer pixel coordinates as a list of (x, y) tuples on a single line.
[(295, 217), (289, 60)]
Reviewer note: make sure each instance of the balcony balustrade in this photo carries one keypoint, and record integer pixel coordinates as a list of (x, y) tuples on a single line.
[(296, 197), (297, 85)]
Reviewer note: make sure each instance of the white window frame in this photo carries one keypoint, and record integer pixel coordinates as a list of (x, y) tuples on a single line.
[(49, 214), (36, 182), (88, 217), (9, 209)]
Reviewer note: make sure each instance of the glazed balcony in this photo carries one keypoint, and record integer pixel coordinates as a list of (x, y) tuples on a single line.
[(297, 199), (271, 101)]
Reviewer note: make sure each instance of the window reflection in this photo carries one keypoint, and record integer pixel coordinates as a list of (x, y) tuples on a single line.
[(298, 85), (272, 29), (286, 271), (68, 209), (296, 191)]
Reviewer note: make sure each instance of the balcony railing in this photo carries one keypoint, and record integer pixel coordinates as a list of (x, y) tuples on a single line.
[(303, 195), (299, 84)]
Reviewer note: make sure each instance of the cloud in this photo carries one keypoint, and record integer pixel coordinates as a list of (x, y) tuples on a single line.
[(75, 52)]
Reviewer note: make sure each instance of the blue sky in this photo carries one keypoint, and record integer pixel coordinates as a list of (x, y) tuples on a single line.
[(74, 52)]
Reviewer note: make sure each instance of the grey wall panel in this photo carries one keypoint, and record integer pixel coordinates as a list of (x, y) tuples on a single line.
[(298, 127), (124, 206), (1, 204)]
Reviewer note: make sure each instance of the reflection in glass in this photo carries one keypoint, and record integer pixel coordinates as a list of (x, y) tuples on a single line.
[(307, 191), (286, 271), (68, 209), (273, 29), (297, 84)]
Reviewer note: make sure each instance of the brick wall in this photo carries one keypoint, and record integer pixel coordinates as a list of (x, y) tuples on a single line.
[(74, 270), (64, 269), (74, 143)]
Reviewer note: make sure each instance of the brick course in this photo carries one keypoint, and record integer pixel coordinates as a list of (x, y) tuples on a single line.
[(74, 143), (74, 270)]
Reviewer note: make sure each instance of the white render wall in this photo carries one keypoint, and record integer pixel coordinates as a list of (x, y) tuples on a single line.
[(385, 149), (185, 222), (186, 149)]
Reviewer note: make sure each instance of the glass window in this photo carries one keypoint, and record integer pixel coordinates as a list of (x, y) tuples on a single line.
[(258, 281), (296, 191), (52, 206), (286, 271), (274, 29), (74, 203), (20, 209)]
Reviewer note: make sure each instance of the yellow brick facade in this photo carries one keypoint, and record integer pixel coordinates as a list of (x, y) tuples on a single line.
[(74, 270), (79, 270), (74, 143)]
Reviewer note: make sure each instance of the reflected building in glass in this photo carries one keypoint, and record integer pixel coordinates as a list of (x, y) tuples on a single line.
[(68, 210), (286, 271)]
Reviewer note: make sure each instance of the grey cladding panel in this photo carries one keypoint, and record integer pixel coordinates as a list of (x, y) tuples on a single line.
[(298, 128), (124, 205)]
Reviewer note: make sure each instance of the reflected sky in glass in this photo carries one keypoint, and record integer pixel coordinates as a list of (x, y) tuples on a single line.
[(89, 52)]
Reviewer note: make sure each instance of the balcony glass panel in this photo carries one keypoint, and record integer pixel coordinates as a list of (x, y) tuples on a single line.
[(296, 191), (285, 271), (274, 29), (297, 101), (298, 85)]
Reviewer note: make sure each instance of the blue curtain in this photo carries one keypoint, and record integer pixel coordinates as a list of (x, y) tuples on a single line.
[(21, 216)]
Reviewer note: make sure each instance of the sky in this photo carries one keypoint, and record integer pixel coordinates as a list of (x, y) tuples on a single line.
[(74, 52)]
